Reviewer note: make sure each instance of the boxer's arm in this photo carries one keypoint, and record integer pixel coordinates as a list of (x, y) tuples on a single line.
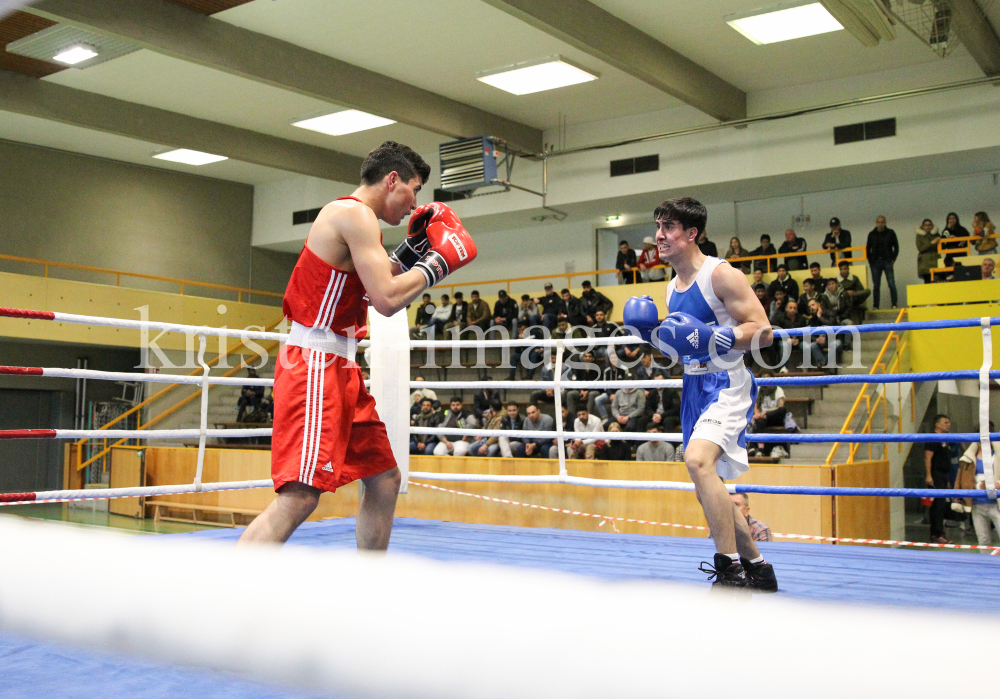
[(741, 303), (389, 289)]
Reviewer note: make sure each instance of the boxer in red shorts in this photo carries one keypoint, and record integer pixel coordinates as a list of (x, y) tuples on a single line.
[(326, 430)]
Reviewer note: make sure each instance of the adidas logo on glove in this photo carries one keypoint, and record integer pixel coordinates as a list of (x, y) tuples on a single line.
[(693, 338)]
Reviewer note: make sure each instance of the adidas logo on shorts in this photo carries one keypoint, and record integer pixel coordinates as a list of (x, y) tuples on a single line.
[(328, 468), (693, 339)]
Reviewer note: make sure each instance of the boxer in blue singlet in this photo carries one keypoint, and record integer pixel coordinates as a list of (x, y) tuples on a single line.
[(714, 317)]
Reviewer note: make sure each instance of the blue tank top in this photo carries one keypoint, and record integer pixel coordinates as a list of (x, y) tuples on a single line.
[(699, 300)]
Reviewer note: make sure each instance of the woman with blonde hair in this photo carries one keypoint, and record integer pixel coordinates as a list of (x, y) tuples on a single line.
[(983, 227), (927, 252), (736, 250)]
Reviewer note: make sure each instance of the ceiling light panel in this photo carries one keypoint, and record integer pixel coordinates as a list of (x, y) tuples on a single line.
[(536, 76), (59, 39), (75, 54), (341, 123), (189, 157), (783, 23)]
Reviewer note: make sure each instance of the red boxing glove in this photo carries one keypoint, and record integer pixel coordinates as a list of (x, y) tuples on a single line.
[(415, 244), (450, 247)]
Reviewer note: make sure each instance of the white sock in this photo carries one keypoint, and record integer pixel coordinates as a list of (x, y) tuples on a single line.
[(734, 557), (758, 560)]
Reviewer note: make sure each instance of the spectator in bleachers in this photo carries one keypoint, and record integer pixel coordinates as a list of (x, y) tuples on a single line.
[(927, 238), (937, 474), (584, 448), (882, 249), (628, 408), (779, 302), (426, 393), (857, 294), (988, 269), (836, 301), (663, 405), (837, 239), (759, 531), (570, 310), (484, 398), (644, 370), (534, 358), (816, 274), (736, 249), (784, 281), (626, 264), (793, 243), (649, 258), (424, 313), (250, 397), (442, 314), (267, 405), (654, 450), (459, 313), (770, 411), (592, 301), (427, 417), (457, 416), (564, 330), (808, 294), (487, 446), (416, 397), (788, 320), (479, 312), (586, 370), (549, 306), (983, 227), (615, 371), (819, 350), (511, 420), (706, 246), (953, 229), (603, 328), (765, 300), (765, 248), (547, 395), (527, 313), (616, 449), (536, 447), (758, 277), (505, 313)]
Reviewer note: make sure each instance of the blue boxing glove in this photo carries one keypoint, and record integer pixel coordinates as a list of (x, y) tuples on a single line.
[(640, 315), (690, 337)]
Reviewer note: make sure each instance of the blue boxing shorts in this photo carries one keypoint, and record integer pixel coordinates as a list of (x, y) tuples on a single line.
[(718, 406)]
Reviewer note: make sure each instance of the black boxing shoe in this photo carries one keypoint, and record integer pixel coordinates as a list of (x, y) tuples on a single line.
[(725, 573), (760, 577)]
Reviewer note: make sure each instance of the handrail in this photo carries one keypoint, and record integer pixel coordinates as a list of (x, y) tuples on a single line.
[(961, 239), (159, 394), (568, 276), (118, 276), (846, 429)]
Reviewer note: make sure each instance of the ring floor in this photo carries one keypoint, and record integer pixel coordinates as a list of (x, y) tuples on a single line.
[(934, 580)]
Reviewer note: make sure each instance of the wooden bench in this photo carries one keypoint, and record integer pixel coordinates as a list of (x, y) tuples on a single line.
[(763, 459), (195, 509), (800, 408), (194, 445)]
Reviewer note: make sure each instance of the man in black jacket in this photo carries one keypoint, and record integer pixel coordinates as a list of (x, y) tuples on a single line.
[(765, 249), (548, 306), (793, 243), (424, 312), (570, 310), (883, 249), (505, 313), (785, 283), (603, 328), (837, 239), (592, 301), (459, 313), (628, 268)]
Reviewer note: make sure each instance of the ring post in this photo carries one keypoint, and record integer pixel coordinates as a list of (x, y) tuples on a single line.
[(389, 364), (984, 410), (203, 422), (557, 394)]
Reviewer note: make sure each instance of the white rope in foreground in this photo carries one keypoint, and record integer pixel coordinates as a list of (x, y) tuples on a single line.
[(556, 478), (542, 434), (59, 372), (136, 492), (133, 434), (570, 385), (465, 632)]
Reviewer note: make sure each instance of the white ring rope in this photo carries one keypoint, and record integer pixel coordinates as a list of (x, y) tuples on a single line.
[(157, 434), (631, 383), (60, 373), (551, 434), (562, 478), (136, 492)]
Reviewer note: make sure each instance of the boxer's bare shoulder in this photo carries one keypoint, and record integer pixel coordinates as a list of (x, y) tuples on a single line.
[(337, 228)]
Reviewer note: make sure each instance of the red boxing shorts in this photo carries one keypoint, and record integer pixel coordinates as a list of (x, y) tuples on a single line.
[(326, 431)]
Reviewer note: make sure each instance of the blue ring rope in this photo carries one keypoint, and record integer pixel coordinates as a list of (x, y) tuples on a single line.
[(871, 378), (784, 438), (865, 492), (884, 327)]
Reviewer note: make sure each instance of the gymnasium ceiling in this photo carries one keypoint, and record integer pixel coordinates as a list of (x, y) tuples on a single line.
[(228, 76)]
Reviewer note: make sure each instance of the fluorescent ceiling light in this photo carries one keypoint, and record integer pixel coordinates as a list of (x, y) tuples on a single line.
[(340, 123), (75, 54), (785, 23), (536, 76), (189, 157)]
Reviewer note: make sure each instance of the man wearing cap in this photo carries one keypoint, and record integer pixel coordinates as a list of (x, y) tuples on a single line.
[(505, 313), (837, 239), (592, 301), (649, 258), (548, 306), (793, 243)]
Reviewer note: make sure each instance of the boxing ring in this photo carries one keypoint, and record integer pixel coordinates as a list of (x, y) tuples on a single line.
[(471, 603)]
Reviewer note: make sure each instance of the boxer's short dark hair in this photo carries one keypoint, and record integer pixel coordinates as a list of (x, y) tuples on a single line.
[(689, 212), (394, 157)]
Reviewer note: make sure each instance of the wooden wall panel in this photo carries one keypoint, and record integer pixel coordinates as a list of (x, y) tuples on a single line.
[(863, 518), (126, 472)]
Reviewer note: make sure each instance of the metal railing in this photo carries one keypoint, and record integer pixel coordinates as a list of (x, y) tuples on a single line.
[(879, 392), (182, 283)]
